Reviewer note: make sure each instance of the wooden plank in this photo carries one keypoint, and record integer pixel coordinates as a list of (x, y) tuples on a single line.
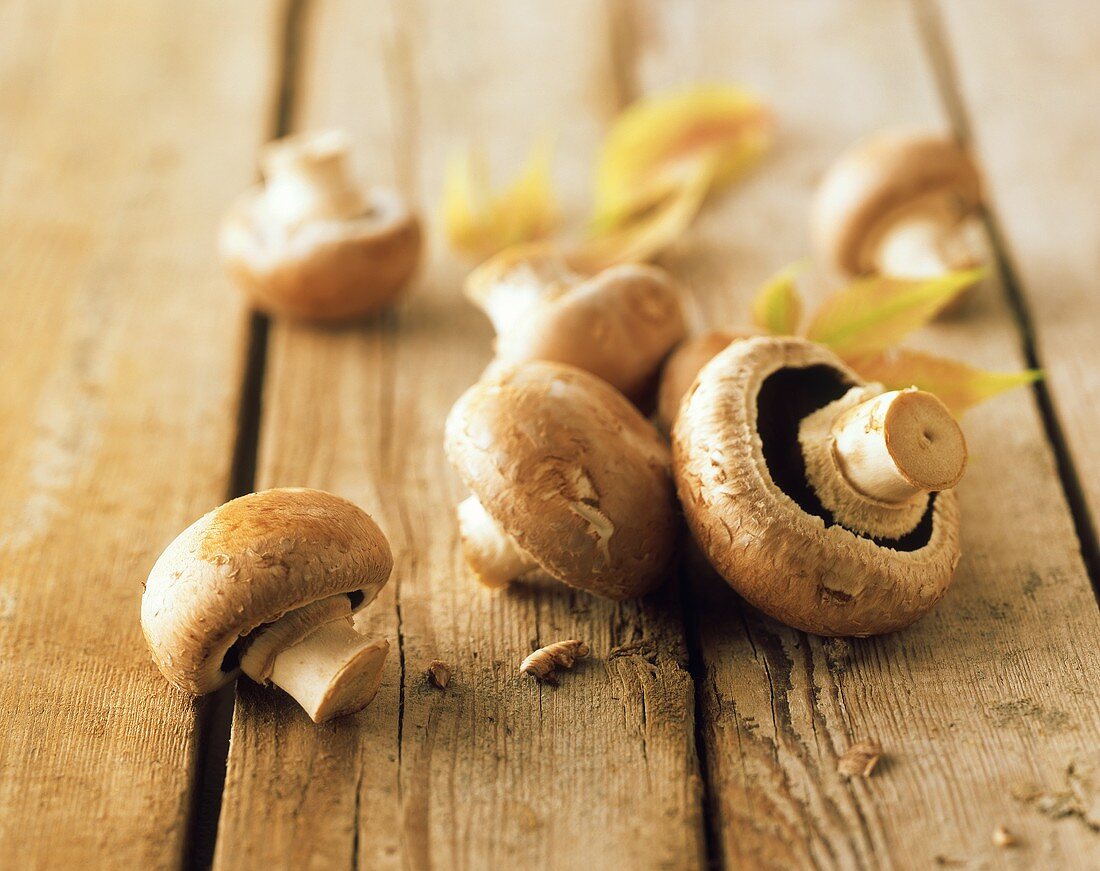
[(996, 689), (1030, 85), (122, 127), (496, 771)]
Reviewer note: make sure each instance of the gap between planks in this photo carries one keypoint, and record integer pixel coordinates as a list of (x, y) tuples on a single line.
[(940, 55), (216, 720)]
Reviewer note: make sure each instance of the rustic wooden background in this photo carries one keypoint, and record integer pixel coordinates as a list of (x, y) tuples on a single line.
[(136, 392)]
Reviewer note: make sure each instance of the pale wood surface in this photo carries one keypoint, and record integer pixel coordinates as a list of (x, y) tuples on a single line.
[(1029, 82), (120, 352), (125, 128), (989, 693), (496, 771)]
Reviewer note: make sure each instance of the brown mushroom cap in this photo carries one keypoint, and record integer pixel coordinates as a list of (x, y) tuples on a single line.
[(247, 563), (326, 269), (683, 365), (572, 472), (881, 178), (742, 483), (618, 325)]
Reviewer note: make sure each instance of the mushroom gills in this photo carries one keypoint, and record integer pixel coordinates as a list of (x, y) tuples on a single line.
[(315, 654), (785, 399), (490, 551)]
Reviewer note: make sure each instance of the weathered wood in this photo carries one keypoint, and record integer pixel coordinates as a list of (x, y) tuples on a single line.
[(122, 126), (995, 691), (495, 771), (1030, 84)]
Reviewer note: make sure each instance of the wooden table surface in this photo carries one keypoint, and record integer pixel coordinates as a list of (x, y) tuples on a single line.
[(137, 392)]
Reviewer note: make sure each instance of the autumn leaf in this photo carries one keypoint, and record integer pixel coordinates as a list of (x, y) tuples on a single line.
[(777, 308), (875, 313), (959, 385), (480, 222), (659, 142), (647, 232)]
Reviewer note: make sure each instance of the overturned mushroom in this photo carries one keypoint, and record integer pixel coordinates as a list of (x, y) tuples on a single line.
[(619, 324), (567, 477), (825, 502), (267, 584), (682, 366), (310, 243), (902, 204)]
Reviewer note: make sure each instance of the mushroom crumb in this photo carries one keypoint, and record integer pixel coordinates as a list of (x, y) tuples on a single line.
[(561, 654), (860, 759), (1002, 837), (438, 674)]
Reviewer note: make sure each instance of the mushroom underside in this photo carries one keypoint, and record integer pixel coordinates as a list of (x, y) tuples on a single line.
[(231, 659), (786, 398)]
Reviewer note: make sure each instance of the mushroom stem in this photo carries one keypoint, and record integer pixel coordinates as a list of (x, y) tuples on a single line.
[(899, 444), (928, 244), (307, 178), (510, 286), (491, 552), (317, 657)]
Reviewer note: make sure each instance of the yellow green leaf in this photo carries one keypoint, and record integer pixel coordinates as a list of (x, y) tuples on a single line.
[(777, 308), (480, 222), (659, 141), (876, 312), (959, 385), (647, 232)]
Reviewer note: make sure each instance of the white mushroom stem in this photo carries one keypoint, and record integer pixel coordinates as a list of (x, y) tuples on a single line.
[(317, 657), (927, 244), (307, 178), (509, 292), (491, 552), (899, 444)]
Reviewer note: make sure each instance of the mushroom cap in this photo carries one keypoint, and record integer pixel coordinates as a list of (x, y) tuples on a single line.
[(618, 325), (572, 472), (683, 365), (741, 481), (247, 563), (881, 178), (324, 269)]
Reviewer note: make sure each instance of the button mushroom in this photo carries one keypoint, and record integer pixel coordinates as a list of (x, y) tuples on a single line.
[(267, 584), (823, 501), (619, 324), (310, 243), (902, 204), (567, 477)]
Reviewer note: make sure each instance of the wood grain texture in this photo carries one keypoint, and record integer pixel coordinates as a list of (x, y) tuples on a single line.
[(122, 125), (995, 692), (1029, 83), (496, 771)]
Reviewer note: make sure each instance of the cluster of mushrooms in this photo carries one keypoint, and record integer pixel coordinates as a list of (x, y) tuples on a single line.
[(824, 501)]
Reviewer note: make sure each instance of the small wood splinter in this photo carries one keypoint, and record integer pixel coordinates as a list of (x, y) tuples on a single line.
[(438, 674), (1002, 837), (561, 654), (860, 759)]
